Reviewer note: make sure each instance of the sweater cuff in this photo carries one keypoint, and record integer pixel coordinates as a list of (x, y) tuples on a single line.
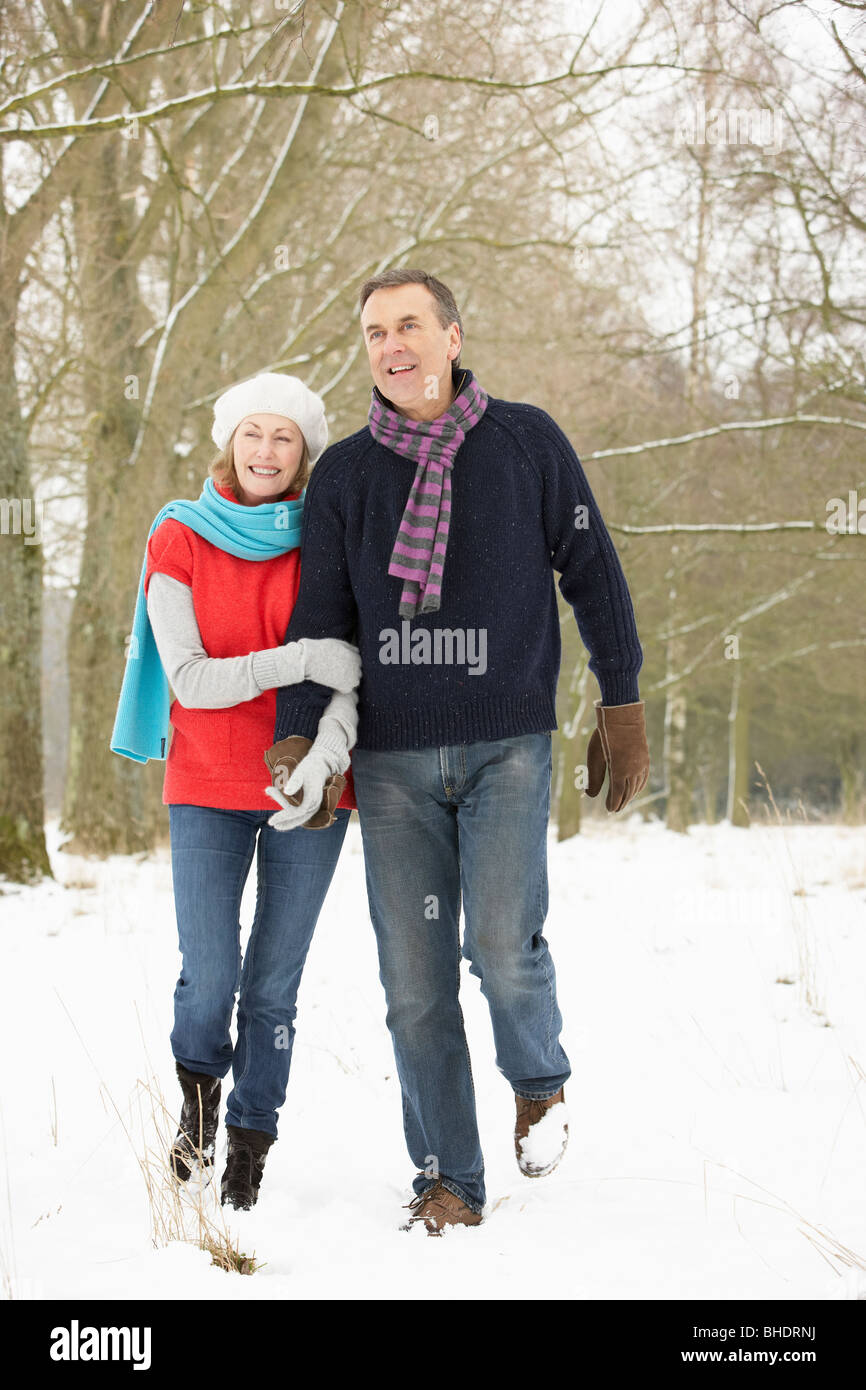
[(331, 741), (265, 672), (618, 688)]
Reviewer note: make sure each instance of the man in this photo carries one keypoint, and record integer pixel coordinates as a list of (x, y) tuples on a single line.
[(430, 538)]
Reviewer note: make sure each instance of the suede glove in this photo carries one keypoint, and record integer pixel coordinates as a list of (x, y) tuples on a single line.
[(618, 746)]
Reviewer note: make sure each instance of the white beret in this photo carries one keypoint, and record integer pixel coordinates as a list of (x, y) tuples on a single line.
[(272, 393)]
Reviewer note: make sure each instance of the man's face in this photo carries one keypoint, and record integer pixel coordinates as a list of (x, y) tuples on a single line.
[(410, 352)]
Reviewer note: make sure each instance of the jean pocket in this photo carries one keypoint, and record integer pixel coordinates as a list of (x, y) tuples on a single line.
[(202, 737)]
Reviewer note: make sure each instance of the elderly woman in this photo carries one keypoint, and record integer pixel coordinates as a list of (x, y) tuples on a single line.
[(218, 587)]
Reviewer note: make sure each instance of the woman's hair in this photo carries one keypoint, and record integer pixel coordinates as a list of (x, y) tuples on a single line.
[(222, 468)]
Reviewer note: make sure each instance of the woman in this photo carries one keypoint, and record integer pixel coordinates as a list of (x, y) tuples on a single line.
[(218, 586)]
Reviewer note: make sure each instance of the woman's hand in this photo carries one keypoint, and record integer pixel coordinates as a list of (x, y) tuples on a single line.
[(330, 661), (309, 779)]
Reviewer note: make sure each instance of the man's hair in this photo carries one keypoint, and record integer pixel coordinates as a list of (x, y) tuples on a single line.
[(446, 305)]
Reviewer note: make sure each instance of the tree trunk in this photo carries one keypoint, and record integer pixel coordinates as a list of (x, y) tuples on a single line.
[(678, 810), (739, 766), (851, 776), (109, 802), (23, 856), (710, 792), (678, 807)]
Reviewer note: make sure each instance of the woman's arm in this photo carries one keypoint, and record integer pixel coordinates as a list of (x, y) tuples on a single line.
[(203, 682)]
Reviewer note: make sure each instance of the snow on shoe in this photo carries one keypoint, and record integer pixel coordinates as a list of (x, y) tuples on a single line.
[(540, 1134), (193, 1172)]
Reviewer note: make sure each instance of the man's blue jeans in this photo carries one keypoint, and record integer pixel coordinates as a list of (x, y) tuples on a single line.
[(211, 854), (435, 822)]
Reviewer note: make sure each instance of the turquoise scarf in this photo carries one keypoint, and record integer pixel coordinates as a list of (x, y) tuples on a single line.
[(141, 726)]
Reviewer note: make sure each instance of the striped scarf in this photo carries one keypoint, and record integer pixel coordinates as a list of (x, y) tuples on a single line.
[(418, 557)]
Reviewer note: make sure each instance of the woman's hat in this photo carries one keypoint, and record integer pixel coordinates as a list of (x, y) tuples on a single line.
[(272, 393)]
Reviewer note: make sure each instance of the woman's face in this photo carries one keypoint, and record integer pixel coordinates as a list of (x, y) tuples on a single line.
[(268, 450)]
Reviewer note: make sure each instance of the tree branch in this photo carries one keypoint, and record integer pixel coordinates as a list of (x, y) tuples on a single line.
[(727, 428)]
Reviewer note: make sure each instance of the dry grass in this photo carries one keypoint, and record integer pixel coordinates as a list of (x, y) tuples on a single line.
[(833, 1251), (177, 1213), (180, 1212), (801, 922), (53, 1112)]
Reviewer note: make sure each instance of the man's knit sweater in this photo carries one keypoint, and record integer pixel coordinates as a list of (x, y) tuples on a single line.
[(485, 665)]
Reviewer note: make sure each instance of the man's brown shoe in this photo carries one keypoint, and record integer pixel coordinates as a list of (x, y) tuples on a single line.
[(439, 1208), (540, 1134)]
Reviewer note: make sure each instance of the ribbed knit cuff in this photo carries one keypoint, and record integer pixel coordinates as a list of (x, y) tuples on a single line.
[(265, 670), (618, 688), (300, 722), (289, 663), (331, 742)]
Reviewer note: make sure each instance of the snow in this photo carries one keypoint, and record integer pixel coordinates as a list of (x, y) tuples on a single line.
[(541, 1148), (717, 1140)]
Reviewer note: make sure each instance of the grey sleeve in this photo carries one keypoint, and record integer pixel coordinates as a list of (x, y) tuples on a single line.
[(198, 680)]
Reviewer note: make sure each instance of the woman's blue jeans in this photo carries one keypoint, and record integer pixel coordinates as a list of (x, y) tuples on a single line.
[(438, 822), (211, 854)]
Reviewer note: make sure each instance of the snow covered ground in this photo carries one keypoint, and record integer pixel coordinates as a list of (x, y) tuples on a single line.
[(713, 987)]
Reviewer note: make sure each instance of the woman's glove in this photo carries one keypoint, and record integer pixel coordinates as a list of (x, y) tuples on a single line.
[(326, 660)]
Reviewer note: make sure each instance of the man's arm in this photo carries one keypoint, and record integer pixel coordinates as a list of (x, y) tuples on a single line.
[(592, 580), (325, 605)]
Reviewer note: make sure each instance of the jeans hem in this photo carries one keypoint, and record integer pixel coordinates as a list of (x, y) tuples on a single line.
[(539, 1095), (249, 1124), (203, 1071), (457, 1191)]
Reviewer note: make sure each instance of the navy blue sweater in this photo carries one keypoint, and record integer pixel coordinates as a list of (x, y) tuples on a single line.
[(484, 666)]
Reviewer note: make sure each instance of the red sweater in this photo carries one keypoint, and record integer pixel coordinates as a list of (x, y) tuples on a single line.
[(216, 756)]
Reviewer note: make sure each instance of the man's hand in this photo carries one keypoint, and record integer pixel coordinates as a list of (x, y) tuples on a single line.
[(305, 784), (618, 746)]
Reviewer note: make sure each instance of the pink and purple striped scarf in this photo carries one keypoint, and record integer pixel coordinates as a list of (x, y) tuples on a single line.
[(418, 557)]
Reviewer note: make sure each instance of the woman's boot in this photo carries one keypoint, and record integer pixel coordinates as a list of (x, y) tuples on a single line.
[(245, 1163), (192, 1153)]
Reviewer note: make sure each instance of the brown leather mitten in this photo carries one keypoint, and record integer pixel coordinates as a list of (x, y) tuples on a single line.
[(282, 758), (618, 746)]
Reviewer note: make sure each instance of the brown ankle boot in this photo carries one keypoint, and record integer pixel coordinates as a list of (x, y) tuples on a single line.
[(540, 1134), (439, 1208)]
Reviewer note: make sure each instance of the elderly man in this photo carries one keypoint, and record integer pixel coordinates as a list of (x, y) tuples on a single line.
[(431, 538)]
